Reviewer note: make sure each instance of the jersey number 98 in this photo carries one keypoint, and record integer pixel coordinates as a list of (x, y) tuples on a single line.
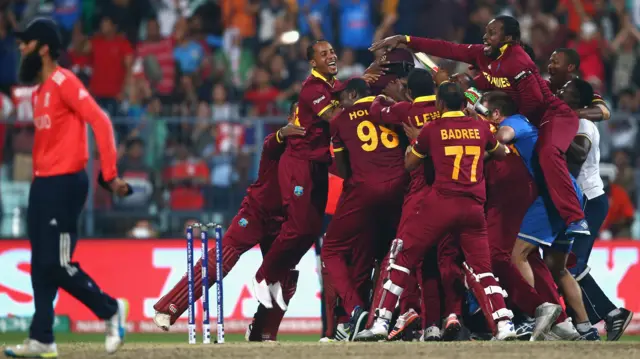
[(368, 133)]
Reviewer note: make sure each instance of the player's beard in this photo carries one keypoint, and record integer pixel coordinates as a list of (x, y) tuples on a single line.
[(30, 67)]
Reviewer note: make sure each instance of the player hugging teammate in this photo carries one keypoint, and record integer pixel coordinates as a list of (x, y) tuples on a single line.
[(449, 195)]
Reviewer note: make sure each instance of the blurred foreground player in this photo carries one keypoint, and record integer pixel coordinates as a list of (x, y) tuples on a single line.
[(62, 107), (456, 143), (258, 222), (303, 176), (370, 159), (506, 66)]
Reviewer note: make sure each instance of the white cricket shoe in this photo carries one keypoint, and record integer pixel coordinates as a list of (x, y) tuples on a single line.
[(32, 348), (327, 340), (563, 331), (343, 332), (378, 332), (506, 330), (275, 290), (162, 321), (261, 293), (116, 327), (431, 334), (546, 315)]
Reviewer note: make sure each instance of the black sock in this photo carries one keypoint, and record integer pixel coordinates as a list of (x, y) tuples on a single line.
[(595, 301)]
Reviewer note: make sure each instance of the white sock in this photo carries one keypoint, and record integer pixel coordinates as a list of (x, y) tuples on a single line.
[(583, 327)]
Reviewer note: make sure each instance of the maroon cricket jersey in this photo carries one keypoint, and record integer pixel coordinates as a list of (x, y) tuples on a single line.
[(512, 72), (375, 154), (264, 193), (457, 143), (314, 100), (417, 113)]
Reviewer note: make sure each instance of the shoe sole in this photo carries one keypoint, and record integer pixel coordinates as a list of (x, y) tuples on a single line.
[(543, 326), (621, 331), (450, 333), (361, 323), (397, 334), (375, 338), (11, 354)]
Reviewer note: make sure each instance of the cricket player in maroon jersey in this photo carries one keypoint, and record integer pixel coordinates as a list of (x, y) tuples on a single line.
[(417, 113), (506, 66), (563, 66), (62, 107), (258, 222), (370, 159), (303, 176), (455, 204)]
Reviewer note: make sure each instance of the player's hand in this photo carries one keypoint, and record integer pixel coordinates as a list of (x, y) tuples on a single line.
[(370, 78), (119, 187), (411, 131), (292, 130), (388, 43)]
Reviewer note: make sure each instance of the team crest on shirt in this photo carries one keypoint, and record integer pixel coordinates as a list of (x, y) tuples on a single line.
[(298, 191), (243, 222)]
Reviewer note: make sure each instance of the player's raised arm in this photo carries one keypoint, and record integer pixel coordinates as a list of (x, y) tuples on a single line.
[(74, 94), (444, 49), (384, 112), (418, 150)]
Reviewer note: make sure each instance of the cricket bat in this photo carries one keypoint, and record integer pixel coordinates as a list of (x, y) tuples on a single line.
[(426, 61)]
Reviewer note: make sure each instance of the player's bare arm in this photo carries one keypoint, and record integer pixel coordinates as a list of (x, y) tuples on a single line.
[(596, 113), (577, 153), (290, 130), (412, 159), (411, 131), (505, 134)]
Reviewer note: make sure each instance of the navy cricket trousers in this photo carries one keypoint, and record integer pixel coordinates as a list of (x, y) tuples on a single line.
[(55, 204), (595, 211)]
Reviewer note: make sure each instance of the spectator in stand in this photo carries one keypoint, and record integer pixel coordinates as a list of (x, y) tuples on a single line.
[(592, 48), (542, 44), (282, 80), (111, 61), (79, 56), (187, 52), (221, 109), (478, 20), (625, 177), (185, 105), (533, 15), (240, 14), (159, 49), (127, 14), (576, 13), (142, 230), (270, 13), (9, 54), (66, 14), (236, 58), (262, 95), (185, 178), (618, 222), (626, 66), (154, 133), (348, 65), (315, 19), (134, 170), (356, 28), (621, 130)]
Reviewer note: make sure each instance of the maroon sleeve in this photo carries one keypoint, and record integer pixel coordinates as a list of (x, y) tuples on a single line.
[(273, 145), (492, 142), (445, 49), (336, 141), (421, 147), (382, 113), (523, 74)]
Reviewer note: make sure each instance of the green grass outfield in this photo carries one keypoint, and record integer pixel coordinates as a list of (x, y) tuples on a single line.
[(11, 338)]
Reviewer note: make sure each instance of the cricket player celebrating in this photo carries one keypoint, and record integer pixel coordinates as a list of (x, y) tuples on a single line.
[(62, 107), (506, 66), (455, 142), (303, 176)]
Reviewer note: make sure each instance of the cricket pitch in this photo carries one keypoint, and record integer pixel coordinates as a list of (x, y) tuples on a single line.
[(462, 350)]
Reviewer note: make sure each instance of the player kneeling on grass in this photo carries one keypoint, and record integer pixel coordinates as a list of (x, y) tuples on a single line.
[(257, 222), (455, 206)]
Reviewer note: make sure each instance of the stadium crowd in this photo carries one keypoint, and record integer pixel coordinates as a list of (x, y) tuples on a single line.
[(188, 82)]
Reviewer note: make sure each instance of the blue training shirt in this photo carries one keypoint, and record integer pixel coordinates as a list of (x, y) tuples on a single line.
[(525, 139)]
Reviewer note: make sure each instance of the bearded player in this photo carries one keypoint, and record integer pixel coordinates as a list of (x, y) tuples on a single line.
[(258, 222), (506, 66)]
